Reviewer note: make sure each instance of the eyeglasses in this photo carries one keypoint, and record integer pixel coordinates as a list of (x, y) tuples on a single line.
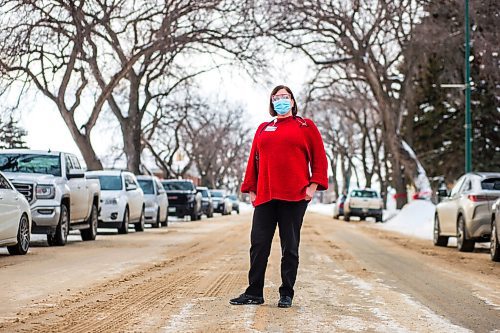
[(276, 98)]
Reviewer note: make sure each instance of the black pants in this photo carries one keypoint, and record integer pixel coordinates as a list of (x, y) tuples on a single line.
[(288, 216)]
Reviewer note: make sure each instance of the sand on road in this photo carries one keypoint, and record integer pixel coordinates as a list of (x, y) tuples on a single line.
[(352, 277)]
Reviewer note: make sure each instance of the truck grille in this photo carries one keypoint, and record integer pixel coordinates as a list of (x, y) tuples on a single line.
[(28, 190)]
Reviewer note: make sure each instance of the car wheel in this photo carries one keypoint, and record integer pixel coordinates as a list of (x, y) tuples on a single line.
[(123, 229), (158, 222), (139, 226), (23, 238), (378, 218), (463, 244), (439, 240), (494, 243), (210, 213), (60, 237), (91, 233), (194, 216), (347, 217), (165, 223)]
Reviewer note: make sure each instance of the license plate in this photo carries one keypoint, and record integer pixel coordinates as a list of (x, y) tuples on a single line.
[(171, 209)]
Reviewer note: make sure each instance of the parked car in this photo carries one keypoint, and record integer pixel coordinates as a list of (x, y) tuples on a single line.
[(207, 206), (122, 200), (222, 204), (495, 232), (466, 211), (338, 209), (363, 203), (15, 218), (183, 198), (235, 203), (155, 198), (54, 184)]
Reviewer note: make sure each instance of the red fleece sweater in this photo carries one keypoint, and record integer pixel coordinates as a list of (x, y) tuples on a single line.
[(287, 155)]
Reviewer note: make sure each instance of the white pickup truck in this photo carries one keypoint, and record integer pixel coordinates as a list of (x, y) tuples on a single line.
[(60, 196), (363, 203)]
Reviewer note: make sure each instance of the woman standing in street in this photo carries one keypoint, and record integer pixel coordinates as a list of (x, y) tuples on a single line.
[(287, 165)]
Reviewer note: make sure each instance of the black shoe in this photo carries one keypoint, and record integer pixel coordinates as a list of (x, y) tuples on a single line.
[(285, 302), (247, 299)]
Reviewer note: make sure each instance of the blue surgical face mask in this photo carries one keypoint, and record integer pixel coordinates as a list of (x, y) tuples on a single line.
[(282, 106)]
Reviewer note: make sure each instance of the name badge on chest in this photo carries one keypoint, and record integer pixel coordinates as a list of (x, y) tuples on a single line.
[(270, 128)]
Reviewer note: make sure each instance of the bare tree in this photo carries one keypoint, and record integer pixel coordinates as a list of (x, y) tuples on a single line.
[(131, 52), (219, 144), (41, 45), (359, 41)]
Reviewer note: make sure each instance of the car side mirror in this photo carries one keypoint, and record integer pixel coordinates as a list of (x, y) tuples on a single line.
[(75, 173), (442, 193), (131, 187)]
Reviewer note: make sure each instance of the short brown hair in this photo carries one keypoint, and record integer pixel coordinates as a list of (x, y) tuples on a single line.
[(275, 90)]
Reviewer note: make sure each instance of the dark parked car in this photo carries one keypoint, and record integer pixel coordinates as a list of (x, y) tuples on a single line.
[(207, 206), (338, 209), (221, 202), (235, 203), (183, 198)]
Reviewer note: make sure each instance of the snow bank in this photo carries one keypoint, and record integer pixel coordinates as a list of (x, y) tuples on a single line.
[(323, 209), (415, 219), (245, 207)]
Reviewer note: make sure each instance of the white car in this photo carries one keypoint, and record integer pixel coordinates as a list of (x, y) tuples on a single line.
[(15, 218), (156, 201), (222, 203), (122, 200), (363, 203)]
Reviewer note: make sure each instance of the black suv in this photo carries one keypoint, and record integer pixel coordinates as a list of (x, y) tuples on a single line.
[(183, 199)]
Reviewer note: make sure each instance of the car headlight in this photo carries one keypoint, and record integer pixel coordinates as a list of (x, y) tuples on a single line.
[(45, 191), (111, 201), (190, 197)]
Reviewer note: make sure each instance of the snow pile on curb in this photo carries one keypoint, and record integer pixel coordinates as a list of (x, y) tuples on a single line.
[(320, 208), (245, 207), (415, 219)]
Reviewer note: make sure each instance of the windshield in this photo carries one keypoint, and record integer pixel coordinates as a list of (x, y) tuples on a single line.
[(109, 183), (31, 163), (217, 194), (204, 193), (233, 197), (364, 194), (491, 184), (147, 186), (178, 186)]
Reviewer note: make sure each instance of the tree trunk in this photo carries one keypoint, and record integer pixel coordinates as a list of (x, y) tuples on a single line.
[(333, 163), (402, 154), (131, 132), (82, 140), (88, 153), (346, 173)]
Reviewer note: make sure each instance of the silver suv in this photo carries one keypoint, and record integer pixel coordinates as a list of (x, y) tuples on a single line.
[(466, 212)]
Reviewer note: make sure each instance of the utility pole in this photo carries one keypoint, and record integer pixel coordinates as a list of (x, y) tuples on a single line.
[(466, 87), (468, 125)]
